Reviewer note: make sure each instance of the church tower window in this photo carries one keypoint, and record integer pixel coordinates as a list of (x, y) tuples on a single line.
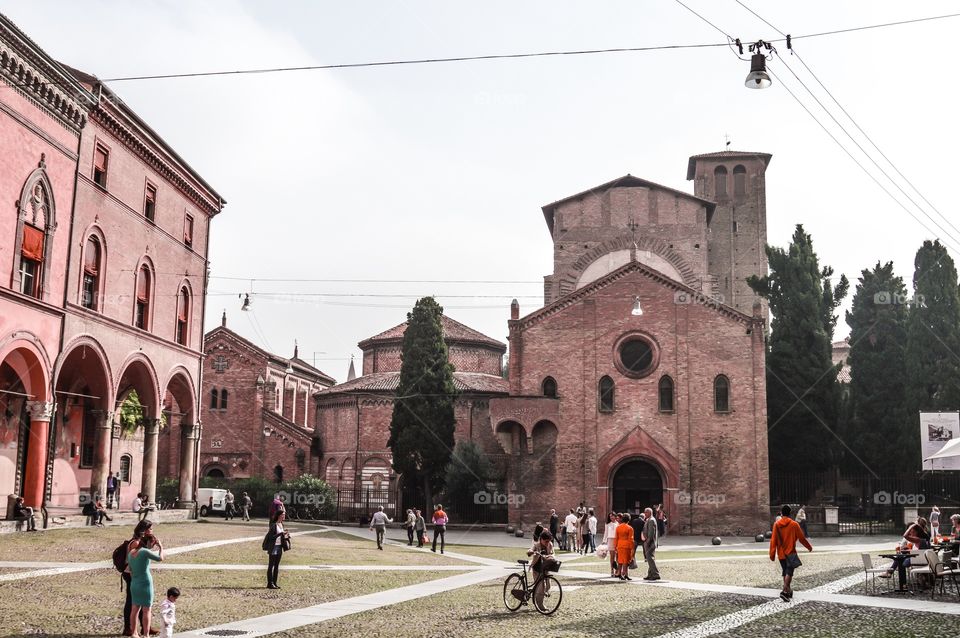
[(739, 181), (605, 391), (550, 387), (720, 182), (721, 394)]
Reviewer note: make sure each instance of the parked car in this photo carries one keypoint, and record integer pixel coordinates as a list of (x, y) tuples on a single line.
[(211, 500)]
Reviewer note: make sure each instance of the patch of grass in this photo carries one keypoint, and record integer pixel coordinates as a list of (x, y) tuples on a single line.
[(596, 609), (814, 619), (327, 548), (91, 603)]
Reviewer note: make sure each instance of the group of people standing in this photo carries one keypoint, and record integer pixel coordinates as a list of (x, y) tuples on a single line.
[(416, 526), (624, 535)]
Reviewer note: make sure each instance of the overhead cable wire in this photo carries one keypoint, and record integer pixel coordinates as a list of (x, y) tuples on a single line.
[(866, 154)]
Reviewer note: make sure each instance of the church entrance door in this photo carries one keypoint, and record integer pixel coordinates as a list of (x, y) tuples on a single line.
[(636, 485)]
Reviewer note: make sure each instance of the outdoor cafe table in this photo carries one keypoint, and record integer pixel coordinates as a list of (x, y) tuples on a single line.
[(900, 559)]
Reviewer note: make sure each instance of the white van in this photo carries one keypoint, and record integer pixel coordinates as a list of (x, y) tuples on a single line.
[(211, 500)]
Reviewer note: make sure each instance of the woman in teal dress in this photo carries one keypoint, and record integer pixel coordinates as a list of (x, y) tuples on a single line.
[(141, 582)]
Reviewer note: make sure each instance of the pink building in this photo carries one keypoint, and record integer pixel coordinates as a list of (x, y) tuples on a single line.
[(103, 260)]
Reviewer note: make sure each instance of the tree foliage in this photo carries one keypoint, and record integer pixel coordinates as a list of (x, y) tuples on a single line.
[(422, 426), (802, 392), (468, 472), (878, 430)]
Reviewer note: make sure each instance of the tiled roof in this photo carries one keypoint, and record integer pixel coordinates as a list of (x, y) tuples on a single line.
[(453, 330), (388, 382), (844, 375)]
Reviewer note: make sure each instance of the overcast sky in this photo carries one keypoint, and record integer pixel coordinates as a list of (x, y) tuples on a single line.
[(438, 172)]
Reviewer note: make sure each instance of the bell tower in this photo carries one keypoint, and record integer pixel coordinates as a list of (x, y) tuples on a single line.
[(737, 230)]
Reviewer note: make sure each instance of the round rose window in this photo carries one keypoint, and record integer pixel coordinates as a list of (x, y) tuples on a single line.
[(636, 356)]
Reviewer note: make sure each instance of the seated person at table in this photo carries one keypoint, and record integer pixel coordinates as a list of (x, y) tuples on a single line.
[(541, 556), (916, 536), (955, 523)]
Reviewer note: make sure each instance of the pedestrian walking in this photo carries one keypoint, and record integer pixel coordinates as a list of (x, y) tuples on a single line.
[(139, 555), (379, 522), (649, 540), (610, 541), (802, 519), (245, 504), (583, 532), (440, 521), (168, 611), (111, 488), (228, 505), (570, 531), (410, 524), (276, 506), (420, 528), (661, 516), (625, 546), (275, 543), (783, 546), (934, 522), (592, 530)]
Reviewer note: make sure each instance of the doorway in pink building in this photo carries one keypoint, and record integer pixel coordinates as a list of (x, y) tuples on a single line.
[(636, 484)]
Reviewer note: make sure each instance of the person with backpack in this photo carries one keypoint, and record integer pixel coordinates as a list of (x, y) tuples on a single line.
[(120, 563)]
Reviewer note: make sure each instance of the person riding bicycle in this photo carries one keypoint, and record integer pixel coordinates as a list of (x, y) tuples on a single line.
[(541, 556)]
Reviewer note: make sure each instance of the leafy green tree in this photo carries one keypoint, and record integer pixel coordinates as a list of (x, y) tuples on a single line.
[(878, 429), (802, 391), (422, 426), (933, 340), (468, 472)]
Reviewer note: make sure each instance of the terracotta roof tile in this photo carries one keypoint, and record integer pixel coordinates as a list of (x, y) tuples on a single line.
[(453, 330)]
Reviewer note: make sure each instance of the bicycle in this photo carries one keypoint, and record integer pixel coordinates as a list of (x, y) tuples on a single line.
[(545, 592)]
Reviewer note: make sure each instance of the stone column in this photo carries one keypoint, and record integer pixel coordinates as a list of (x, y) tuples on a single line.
[(35, 478), (188, 452), (148, 484), (101, 453)]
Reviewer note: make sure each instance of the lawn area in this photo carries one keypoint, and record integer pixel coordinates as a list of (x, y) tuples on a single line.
[(596, 609), (90, 544), (813, 619), (90, 603), (326, 548)]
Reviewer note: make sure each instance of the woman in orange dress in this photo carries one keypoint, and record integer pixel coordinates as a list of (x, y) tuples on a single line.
[(624, 545)]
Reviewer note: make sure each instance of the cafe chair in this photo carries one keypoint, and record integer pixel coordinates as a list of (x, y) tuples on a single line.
[(940, 571), (869, 570)]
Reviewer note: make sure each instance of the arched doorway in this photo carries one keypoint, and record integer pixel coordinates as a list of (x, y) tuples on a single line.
[(636, 485), (215, 473)]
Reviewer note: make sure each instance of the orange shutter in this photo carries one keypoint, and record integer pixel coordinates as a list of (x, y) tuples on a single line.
[(32, 247), (100, 160), (143, 286), (188, 230)]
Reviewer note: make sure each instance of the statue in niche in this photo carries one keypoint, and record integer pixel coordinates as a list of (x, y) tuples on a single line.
[(38, 205)]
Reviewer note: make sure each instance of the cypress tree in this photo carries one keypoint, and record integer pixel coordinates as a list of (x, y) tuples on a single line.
[(933, 341), (802, 391), (878, 427), (422, 426)]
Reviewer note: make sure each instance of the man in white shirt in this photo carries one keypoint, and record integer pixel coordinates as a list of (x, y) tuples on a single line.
[(570, 527), (592, 530), (379, 523)]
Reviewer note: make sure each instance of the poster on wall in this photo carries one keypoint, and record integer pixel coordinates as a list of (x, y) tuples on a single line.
[(936, 430)]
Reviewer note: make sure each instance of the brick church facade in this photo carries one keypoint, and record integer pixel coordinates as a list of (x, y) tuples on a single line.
[(640, 381)]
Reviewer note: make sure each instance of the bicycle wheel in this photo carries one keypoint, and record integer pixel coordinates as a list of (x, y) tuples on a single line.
[(547, 595), (514, 593)]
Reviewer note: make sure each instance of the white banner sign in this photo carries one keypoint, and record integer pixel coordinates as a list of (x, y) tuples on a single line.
[(936, 430)]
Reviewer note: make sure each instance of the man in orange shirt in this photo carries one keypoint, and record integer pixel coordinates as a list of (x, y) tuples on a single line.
[(783, 545)]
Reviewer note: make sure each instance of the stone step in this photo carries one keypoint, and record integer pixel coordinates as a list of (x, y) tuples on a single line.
[(58, 518)]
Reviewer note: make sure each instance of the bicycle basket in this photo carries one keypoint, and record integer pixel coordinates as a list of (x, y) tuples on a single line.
[(554, 566)]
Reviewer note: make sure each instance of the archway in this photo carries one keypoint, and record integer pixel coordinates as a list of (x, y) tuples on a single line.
[(84, 397), (635, 485), (178, 449), (138, 375), (215, 473)]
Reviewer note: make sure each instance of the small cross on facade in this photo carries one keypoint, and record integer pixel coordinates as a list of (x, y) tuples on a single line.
[(220, 364)]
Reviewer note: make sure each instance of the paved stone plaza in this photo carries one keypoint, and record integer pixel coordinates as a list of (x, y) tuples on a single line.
[(335, 582)]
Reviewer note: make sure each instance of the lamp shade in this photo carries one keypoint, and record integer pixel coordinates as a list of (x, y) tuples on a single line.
[(758, 77)]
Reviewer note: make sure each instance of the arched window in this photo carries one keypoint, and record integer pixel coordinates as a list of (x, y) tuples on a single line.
[(125, 461), (31, 261), (223, 399), (91, 274), (278, 474), (721, 394), (605, 391), (183, 315), (142, 311), (550, 387), (36, 223), (214, 399), (739, 181), (665, 391), (720, 182)]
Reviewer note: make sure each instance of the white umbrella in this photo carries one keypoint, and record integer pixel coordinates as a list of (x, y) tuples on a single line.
[(949, 451)]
